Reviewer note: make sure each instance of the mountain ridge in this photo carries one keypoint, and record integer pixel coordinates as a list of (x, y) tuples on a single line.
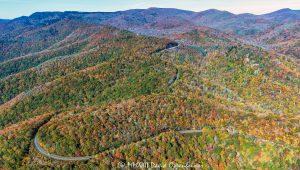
[(156, 22), (121, 86), (155, 8)]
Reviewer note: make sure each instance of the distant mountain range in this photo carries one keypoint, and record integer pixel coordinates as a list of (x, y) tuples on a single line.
[(257, 29), (149, 18)]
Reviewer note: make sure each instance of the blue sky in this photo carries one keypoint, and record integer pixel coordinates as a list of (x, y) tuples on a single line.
[(15, 8)]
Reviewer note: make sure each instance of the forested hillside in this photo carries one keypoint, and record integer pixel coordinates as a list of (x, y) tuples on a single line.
[(105, 88)]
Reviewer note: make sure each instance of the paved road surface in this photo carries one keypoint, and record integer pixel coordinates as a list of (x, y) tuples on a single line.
[(189, 131), (43, 152), (62, 158), (172, 81), (83, 158)]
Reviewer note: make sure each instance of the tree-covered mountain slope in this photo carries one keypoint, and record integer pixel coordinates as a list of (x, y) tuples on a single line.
[(117, 97)]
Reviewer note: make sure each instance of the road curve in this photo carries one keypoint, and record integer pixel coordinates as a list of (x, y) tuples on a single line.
[(84, 158), (172, 81), (62, 158)]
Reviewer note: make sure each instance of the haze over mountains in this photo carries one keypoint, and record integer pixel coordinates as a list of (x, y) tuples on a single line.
[(122, 86)]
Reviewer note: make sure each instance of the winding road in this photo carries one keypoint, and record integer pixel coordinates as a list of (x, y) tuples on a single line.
[(84, 158), (61, 158), (189, 131), (193, 131), (172, 81)]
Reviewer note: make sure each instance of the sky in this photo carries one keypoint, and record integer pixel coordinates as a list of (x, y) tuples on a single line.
[(15, 8)]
